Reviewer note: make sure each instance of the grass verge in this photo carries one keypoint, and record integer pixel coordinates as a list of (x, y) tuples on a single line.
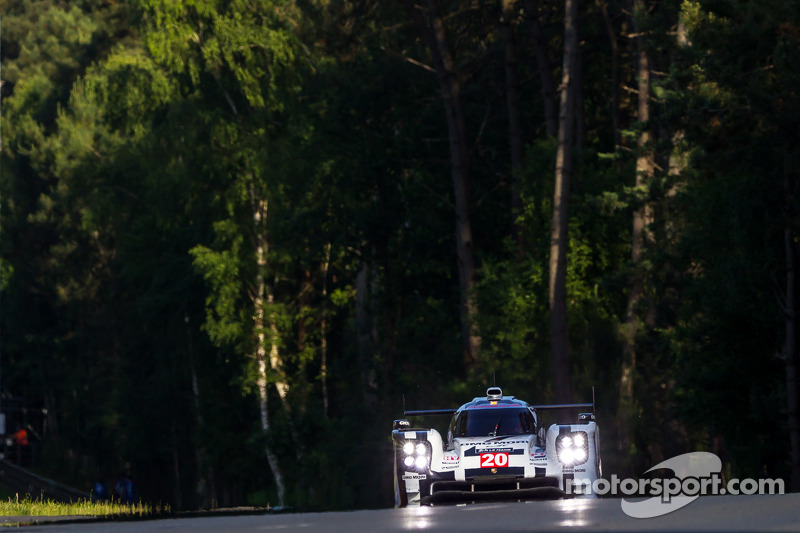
[(41, 507)]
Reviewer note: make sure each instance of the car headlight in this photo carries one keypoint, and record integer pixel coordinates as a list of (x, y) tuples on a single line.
[(572, 448), (416, 454)]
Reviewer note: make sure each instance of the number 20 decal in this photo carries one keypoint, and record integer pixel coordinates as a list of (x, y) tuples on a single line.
[(492, 460)]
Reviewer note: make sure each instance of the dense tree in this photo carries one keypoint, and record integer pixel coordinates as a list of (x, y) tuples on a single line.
[(559, 338), (431, 26), (227, 232), (736, 94)]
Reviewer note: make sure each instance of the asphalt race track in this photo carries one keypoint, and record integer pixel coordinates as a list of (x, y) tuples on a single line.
[(708, 513)]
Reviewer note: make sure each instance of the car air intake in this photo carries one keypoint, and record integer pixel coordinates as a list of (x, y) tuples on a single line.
[(494, 393)]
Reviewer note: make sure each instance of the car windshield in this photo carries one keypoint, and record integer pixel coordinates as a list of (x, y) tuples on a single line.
[(494, 422)]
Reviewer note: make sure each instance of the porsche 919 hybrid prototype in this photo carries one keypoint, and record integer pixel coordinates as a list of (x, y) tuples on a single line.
[(495, 449)]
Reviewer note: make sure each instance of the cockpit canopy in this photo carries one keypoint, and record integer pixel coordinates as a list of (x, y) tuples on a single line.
[(493, 421)]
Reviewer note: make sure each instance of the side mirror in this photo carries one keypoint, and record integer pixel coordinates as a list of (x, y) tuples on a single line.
[(541, 436), (401, 424)]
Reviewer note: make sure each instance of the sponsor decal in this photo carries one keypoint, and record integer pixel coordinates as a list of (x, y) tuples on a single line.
[(414, 476), (496, 450), (478, 450)]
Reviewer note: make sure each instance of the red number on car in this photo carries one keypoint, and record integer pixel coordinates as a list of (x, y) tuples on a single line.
[(494, 460)]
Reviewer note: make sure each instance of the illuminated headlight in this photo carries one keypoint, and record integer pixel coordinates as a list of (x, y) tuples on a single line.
[(572, 448), (416, 454), (567, 456)]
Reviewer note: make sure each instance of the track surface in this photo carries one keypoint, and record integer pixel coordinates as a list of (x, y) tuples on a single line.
[(709, 513)]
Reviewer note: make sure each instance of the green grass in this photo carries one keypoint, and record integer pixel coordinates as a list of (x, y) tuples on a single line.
[(41, 507)]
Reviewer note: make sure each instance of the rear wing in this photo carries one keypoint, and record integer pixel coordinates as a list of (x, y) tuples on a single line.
[(565, 406), (540, 407), (495, 393), (570, 406), (450, 412), (404, 425), (583, 418)]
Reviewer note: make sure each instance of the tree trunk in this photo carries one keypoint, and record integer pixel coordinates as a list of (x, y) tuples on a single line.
[(580, 107), (272, 459), (642, 217), (432, 29), (304, 303), (176, 469), (790, 350), (514, 117), (612, 37), (323, 342), (545, 68), (366, 334), (268, 322), (276, 369), (206, 485), (559, 238), (260, 326)]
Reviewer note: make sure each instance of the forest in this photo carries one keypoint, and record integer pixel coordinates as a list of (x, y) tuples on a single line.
[(239, 237)]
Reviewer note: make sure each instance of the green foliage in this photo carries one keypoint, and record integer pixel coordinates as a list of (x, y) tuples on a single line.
[(150, 149), (224, 320), (513, 325), (727, 327), (41, 507)]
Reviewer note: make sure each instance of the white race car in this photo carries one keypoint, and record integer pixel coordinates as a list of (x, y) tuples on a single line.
[(495, 449)]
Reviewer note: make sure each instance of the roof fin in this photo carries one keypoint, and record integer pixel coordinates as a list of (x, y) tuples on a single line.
[(494, 393)]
